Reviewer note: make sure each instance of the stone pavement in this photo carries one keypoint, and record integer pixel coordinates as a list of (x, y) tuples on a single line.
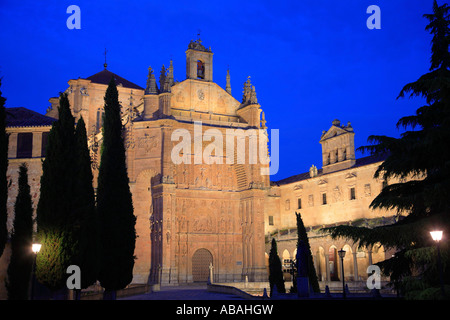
[(189, 292)]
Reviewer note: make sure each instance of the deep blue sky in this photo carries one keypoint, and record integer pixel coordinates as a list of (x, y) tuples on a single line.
[(310, 61)]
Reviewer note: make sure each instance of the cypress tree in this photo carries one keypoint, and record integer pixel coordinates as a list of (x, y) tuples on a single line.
[(114, 202), (420, 156), (303, 236), (21, 263), (86, 227), (55, 216), (3, 169), (275, 270)]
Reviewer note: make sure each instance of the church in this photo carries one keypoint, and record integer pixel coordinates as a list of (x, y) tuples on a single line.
[(189, 216), (197, 218)]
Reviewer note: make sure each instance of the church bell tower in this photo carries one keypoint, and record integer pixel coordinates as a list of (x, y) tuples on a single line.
[(199, 62), (338, 147)]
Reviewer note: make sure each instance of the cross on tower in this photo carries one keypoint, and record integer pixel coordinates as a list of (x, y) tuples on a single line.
[(105, 64)]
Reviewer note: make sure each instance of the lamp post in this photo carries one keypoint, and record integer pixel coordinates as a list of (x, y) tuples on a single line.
[(437, 237), (342, 255), (35, 247)]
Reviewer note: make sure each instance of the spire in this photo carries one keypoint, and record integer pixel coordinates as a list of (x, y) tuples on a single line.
[(169, 78), (247, 91), (162, 78), (151, 88), (228, 86), (253, 99)]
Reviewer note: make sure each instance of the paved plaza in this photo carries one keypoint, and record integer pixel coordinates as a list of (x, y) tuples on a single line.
[(191, 292)]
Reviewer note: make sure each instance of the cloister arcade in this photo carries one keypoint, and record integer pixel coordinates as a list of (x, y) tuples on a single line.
[(327, 262)]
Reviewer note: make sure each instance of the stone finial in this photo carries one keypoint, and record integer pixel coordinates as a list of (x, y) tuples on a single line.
[(263, 120), (162, 78), (249, 94), (247, 91), (151, 88), (336, 123), (313, 171), (169, 77), (253, 99), (228, 86)]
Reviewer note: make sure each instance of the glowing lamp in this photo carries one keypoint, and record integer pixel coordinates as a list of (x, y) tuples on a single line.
[(436, 235), (36, 247)]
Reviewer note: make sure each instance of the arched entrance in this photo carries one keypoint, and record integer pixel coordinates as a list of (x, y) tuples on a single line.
[(333, 262), (201, 261)]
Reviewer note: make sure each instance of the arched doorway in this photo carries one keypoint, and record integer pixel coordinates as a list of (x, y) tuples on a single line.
[(333, 262), (201, 261)]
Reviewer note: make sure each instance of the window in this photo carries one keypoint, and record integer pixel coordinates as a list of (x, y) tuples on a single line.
[(44, 144), (324, 198), (299, 201), (100, 118), (311, 200), (270, 220), (200, 70), (352, 194), (24, 145)]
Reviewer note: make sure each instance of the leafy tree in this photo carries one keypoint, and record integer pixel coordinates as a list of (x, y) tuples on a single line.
[(55, 210), (21, 263), (303, 236), (114, 203), (275, 270), (421, 157), (3, 169)]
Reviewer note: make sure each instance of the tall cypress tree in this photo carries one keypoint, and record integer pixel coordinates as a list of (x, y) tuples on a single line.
[(55, 214), (3, 169), (420, 156), (303, 236), (21, 263), (114, 202), (275, 270), (86, 226)]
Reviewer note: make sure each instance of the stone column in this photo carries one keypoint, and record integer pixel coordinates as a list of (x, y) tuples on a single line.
[(327, 268), (12, 145), (211, 273), (37, 145), (369, 254), (355, 266)]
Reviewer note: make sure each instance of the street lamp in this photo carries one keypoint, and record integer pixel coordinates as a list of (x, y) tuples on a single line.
[(437, 237), (342, 255), (35, 247)]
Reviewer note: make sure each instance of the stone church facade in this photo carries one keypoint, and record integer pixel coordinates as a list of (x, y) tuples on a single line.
[(192, 215), (214, 213)]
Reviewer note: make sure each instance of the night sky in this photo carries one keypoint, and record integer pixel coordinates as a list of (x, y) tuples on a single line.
[(310, 61)]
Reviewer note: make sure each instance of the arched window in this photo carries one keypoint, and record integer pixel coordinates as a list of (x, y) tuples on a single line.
[(200, 70), (100, 116)]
